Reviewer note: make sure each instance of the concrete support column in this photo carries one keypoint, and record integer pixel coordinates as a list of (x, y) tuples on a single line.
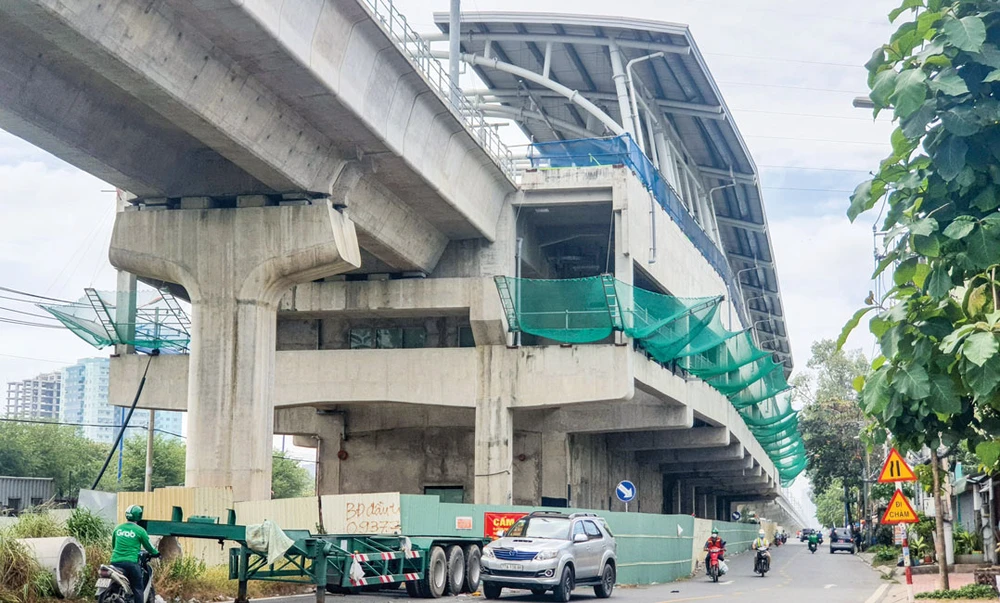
[(235, 265), (686, 493), (555, 466), (493, 483), (703, 506), (125, 310), (675, 498), (711, 507)]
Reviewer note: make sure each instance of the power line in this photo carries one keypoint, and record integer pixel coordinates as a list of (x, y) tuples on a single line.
[(26, 294), (863, 142), (45, 316), (38, 359), (781, 60), (816, 115), (25, 323), (820, 169), (760, 85), (817, 190), (145, 427)]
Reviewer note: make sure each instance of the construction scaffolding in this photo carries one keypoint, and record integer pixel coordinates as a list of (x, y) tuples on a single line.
[(159, 323), (680, 333)]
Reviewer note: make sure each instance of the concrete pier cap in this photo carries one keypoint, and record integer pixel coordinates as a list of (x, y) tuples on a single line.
[(235, 265)]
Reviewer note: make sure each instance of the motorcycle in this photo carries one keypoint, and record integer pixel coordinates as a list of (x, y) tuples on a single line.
[(812, 547), (113, 587), (761, 564), (714, 570), (784, 538)]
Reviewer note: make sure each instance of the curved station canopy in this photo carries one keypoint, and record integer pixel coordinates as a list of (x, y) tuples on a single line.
[(562, 77)]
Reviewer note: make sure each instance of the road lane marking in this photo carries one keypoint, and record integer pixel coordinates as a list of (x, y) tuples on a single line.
[(694, 599), (877, 594), (829, 586)]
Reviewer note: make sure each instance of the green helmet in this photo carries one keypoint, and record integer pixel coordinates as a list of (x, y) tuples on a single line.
[(715, 531), (133, 513)]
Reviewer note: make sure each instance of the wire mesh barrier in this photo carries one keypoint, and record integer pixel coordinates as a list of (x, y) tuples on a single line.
[(622, 150), (394, 24), (159, 324), (682, 332)]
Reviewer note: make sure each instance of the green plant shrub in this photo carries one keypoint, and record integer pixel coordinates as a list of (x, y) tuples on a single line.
[(21, 578), (969, 591), (89, 528), (37, 525), (885, 554)]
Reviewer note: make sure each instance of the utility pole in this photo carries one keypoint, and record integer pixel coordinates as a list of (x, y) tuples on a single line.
[(148, 484), (939, 521)]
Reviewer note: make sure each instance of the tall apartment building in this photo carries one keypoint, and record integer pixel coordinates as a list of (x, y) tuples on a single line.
[(85, 401), (35, 398)]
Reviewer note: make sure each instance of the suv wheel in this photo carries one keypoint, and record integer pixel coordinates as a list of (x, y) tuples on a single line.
[(565, 587), (538, 592), (607, 585), (492, 590)]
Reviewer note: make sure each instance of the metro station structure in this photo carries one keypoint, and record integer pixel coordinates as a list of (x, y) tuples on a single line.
[(337, 212)]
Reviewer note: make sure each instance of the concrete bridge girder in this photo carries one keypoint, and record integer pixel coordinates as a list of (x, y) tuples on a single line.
[(697, 437), (746, 462), (734, 451)]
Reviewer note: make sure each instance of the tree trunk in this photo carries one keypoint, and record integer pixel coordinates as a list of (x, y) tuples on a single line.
[(939, 521)]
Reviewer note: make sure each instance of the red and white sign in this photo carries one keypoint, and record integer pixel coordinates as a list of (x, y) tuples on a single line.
[(499, 522)]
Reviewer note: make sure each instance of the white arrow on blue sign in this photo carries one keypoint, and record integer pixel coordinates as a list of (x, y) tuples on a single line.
[(625, 491), (736, 516)]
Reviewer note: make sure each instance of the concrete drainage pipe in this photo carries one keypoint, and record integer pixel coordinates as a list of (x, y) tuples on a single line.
[(63, 557), (168, 546)]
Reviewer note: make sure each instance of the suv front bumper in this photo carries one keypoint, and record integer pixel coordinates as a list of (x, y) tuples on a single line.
[(531, 574)]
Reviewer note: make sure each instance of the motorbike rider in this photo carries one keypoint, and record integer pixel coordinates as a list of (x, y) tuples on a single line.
[(126, 542), (760, 542), (813, 540), (714, 541)]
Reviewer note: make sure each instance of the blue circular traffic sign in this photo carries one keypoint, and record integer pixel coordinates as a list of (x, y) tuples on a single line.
[(736, 516), (626, 491)]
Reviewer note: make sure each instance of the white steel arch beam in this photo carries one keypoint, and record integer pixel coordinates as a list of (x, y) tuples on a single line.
[(562, 39), (491, 110), (574, 96)]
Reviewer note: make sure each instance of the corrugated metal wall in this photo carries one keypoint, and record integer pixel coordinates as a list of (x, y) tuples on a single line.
[(211, 502), (19, 493)]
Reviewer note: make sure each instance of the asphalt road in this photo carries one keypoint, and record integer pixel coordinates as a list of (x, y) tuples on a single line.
[(796, 575)]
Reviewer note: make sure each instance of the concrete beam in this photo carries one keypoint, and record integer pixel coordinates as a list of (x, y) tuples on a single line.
[(708, 470), (746, 462), (698, 437), (733, 451), (390, 229), (622, 417), (543, 377)]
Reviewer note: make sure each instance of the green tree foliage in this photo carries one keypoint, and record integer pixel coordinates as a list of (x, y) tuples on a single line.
[(168, 464), (56, 451), (59, 452), (288, 479), (831, 421), (830, 504), (938, 376)]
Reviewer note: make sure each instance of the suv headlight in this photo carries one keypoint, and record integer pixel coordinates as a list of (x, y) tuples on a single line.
[(488, 552), (546, 555)]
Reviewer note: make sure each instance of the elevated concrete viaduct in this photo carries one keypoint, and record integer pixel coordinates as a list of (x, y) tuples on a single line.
[(335, 213)]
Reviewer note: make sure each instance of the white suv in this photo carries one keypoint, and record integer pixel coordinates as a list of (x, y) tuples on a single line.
[(552, 551)]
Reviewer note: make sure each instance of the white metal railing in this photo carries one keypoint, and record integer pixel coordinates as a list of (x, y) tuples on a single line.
[(418, 51)]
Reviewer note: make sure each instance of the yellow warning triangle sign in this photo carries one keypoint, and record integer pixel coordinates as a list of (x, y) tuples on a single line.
[(900, 510), (895, 469)]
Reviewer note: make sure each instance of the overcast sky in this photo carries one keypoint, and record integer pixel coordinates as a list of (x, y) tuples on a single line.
[(787, 74)]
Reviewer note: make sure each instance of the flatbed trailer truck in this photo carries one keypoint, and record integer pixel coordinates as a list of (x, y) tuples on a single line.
[(429, 566)]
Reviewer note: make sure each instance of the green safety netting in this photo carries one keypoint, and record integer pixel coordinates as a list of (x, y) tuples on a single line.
[(159, 323), (682, 332)]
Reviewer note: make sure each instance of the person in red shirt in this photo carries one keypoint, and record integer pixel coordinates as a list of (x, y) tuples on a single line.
[(715, 541)]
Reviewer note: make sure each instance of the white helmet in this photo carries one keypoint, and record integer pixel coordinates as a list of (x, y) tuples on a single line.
[(760, 533)]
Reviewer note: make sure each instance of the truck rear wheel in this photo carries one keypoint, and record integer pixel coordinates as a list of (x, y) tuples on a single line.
[(413, 589), (435, 579), (473, 565), (456, 570)]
